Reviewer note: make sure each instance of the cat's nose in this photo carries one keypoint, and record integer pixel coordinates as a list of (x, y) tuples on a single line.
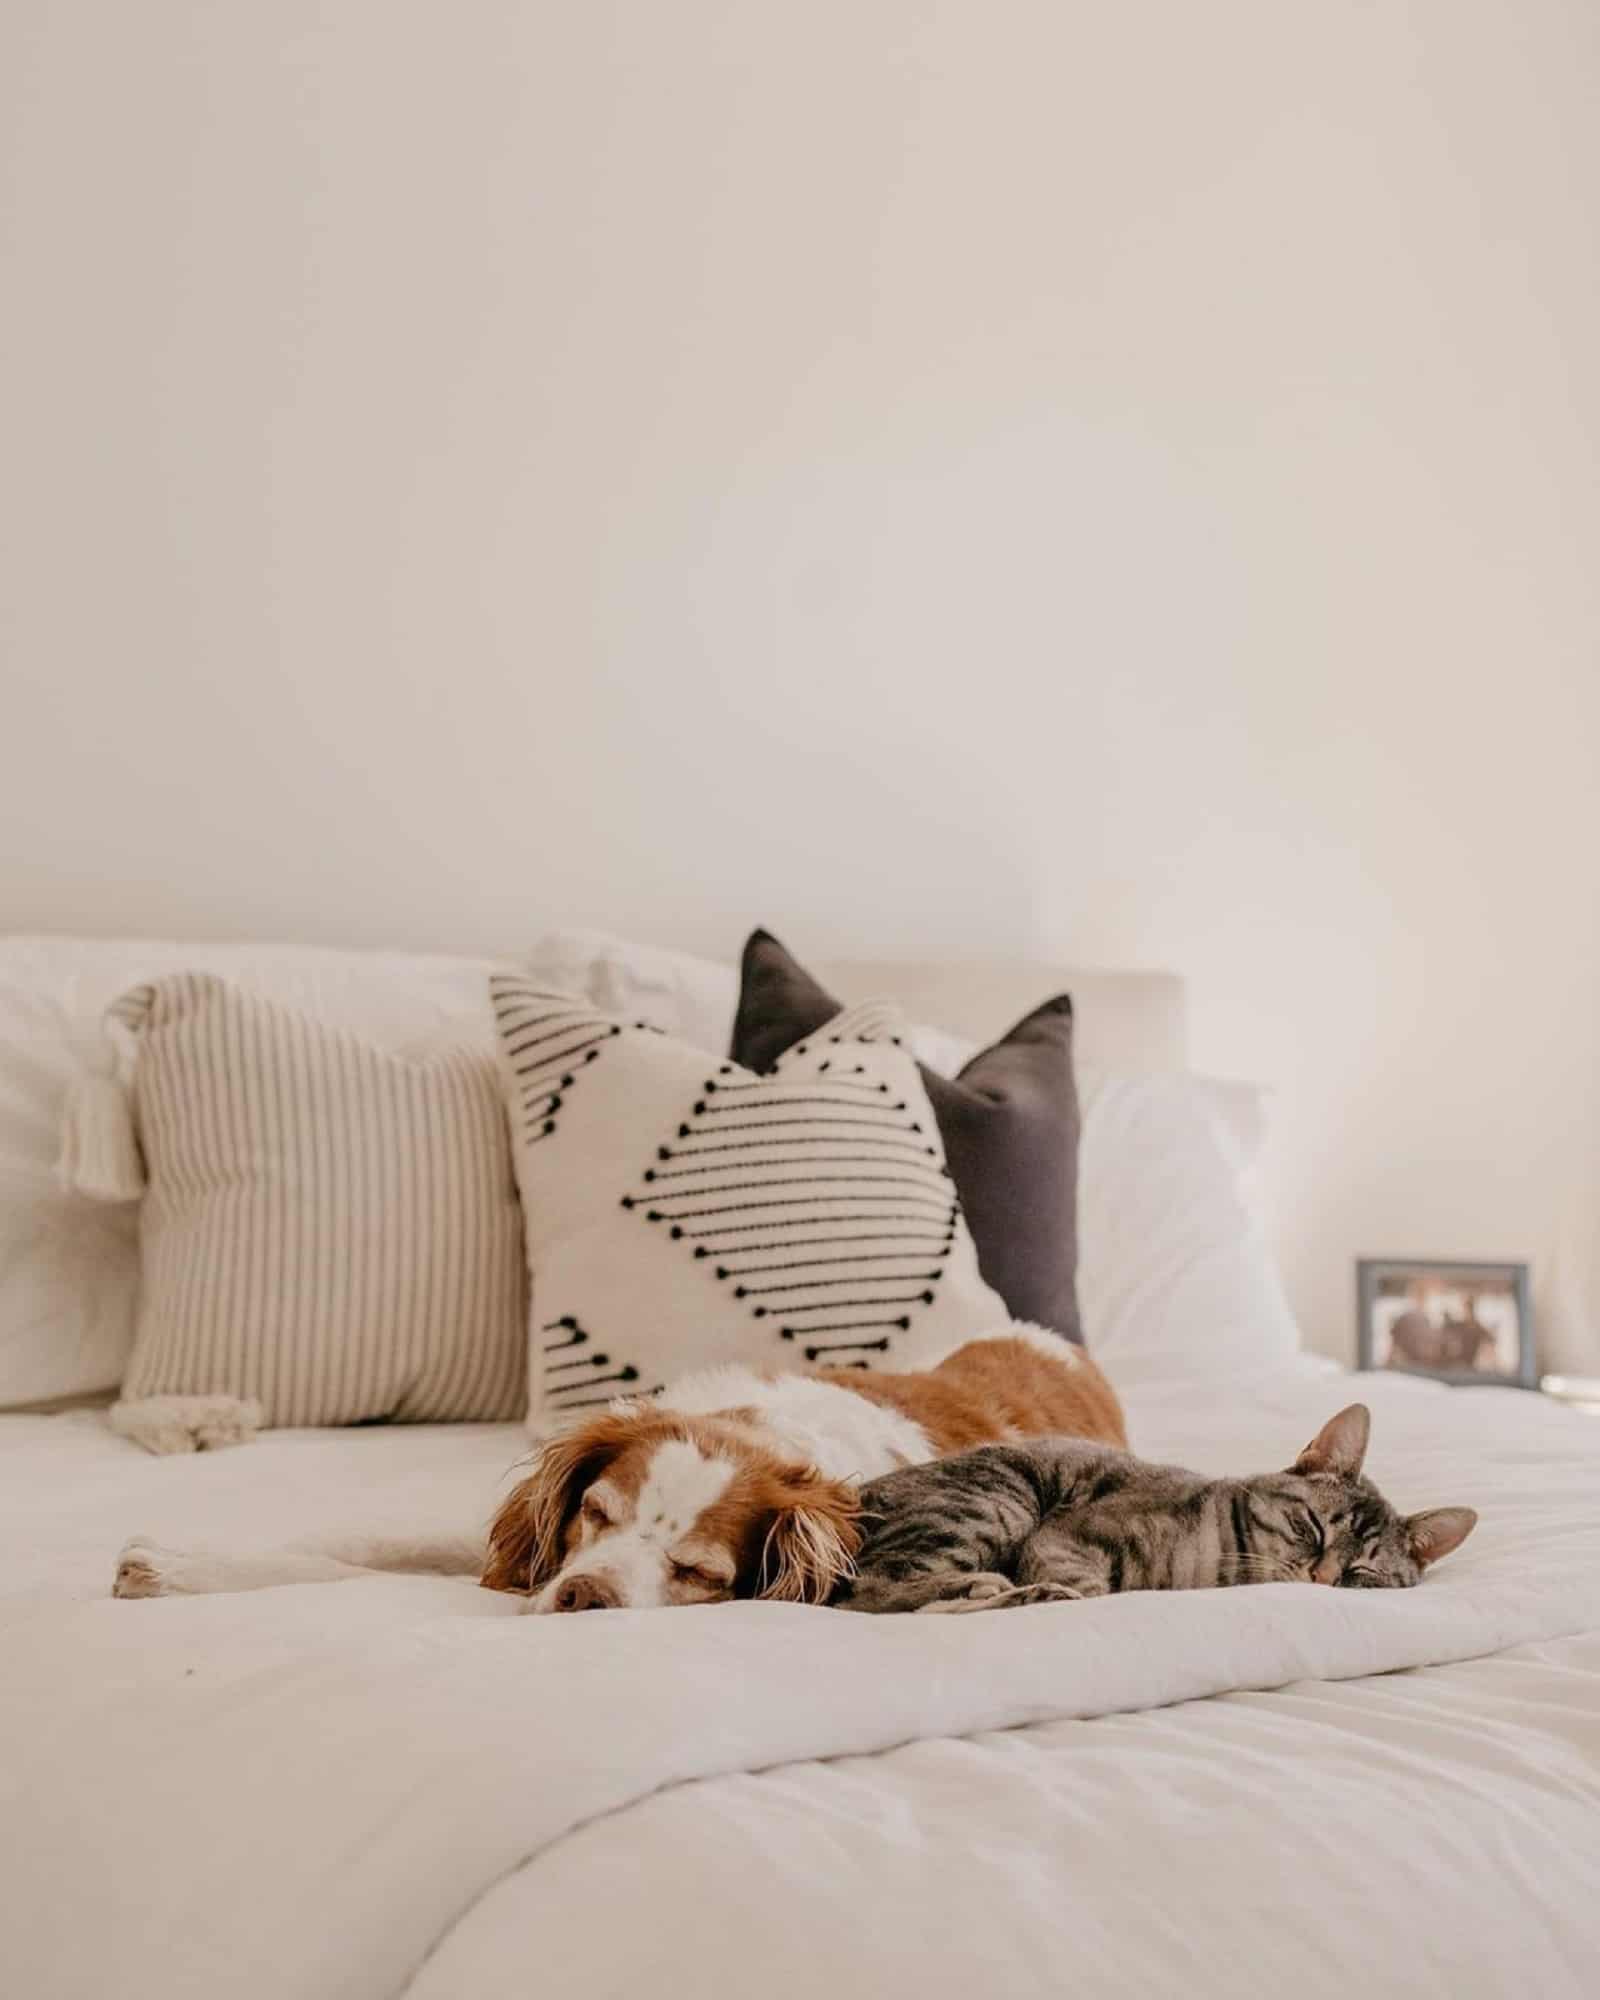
[(1327, 1569)]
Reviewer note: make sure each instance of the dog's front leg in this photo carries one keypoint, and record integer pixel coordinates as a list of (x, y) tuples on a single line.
[(146, 1568)]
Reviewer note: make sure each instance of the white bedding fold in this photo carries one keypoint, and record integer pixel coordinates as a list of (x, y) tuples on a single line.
[(298, 1792)]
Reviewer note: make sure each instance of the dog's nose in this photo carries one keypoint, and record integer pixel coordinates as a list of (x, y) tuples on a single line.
[(585, 1593)]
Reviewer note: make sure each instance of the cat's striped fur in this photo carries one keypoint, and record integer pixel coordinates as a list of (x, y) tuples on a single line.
[(1057, 1518)]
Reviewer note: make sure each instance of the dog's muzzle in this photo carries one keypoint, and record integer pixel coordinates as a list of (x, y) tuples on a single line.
[(585, 1592)]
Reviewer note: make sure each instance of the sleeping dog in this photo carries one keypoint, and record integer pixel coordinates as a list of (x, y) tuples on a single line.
[(733, 1483)]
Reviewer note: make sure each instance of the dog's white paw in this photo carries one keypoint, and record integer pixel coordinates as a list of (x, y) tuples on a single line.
[(145, 1569)]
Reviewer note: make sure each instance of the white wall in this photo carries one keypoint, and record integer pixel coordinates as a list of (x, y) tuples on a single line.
[(1109, 482)]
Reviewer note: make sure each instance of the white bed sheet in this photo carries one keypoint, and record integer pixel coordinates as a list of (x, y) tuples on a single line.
[(1436, 1831), (1430, 1833)]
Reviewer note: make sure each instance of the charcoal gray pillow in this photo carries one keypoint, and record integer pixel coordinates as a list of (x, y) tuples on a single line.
[(1009, 1123)]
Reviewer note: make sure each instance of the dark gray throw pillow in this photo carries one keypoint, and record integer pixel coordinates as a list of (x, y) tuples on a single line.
[(1009, 1123)]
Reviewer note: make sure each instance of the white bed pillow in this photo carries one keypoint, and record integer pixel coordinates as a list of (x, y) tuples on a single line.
[(684, 996), (692, 998), (329, 1229), (1176, 1280), (68, 1266), (683, 1212)]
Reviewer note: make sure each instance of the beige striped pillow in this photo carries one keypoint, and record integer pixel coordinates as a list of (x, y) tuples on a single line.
[(329, 1227)]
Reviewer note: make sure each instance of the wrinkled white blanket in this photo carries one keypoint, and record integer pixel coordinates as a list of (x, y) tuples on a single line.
[(301, 1791)]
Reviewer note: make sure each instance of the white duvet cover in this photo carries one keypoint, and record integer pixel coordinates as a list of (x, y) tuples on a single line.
[(400, 1785)]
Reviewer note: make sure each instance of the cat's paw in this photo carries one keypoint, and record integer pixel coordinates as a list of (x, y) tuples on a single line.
[(987, 1584), (997, 1593), (1044, 1593), (981, 1591)]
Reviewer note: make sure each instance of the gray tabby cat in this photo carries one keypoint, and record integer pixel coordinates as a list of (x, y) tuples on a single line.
[(1062, 1518)]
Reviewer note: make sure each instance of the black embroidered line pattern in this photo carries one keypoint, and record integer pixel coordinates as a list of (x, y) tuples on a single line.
[(827, 1284), (878, 1113), (537, 1041), (589, 1402), (759, 1145), (846, 1347), (775, 1087), (622, 1376), (850, 1201), (815, 1263), (840, 1207), (572, 1365), (846, 1326), (702, 1109), (539, 1065), (917, 1298), (548, 1042), (753, 1228), (656, 1177), (795, 1180), (569, 1333)]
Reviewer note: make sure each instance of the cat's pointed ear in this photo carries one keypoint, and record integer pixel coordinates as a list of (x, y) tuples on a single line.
[(1437, 1532), (1340, 1445)]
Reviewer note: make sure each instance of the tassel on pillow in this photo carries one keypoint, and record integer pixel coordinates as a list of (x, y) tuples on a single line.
[(168, 1424), (100, 1154)]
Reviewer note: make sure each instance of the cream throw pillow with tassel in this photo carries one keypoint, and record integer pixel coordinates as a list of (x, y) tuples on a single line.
[(328, 1229)]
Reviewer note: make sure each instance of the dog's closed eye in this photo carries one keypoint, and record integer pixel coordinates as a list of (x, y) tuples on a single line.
[(602, 1507), (703, 1575)]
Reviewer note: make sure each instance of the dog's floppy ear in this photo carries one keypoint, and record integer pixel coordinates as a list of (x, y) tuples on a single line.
[(525, 1541), (812, 1542)]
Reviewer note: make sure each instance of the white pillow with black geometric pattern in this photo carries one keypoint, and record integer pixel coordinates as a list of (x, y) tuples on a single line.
[(682, 1212)]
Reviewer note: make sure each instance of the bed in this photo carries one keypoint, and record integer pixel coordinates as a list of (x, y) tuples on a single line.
[(401, 1786)]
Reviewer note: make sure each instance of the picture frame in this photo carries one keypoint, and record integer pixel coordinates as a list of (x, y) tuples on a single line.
[(1466, 1321)]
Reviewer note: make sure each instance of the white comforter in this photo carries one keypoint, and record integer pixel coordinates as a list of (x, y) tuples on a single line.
[(364, 1789)]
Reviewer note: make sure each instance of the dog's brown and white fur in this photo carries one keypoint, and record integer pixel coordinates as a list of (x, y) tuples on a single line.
[(733, 1483)]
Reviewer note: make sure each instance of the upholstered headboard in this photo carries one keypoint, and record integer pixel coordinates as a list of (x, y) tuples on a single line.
[(1125, 1020)]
